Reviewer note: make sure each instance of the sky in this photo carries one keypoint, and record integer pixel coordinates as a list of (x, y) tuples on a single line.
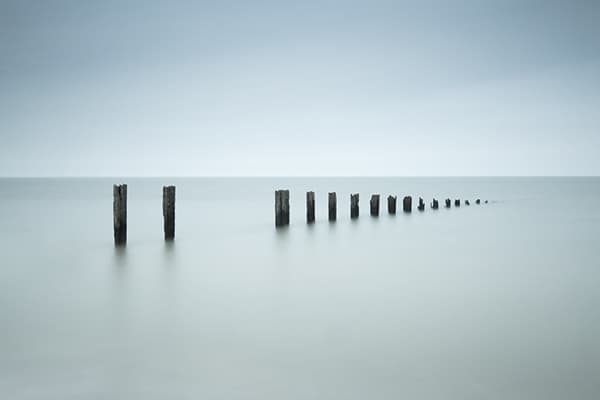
[(299, 88)]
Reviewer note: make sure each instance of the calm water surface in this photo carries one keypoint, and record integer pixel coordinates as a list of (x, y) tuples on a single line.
[(498, 301)]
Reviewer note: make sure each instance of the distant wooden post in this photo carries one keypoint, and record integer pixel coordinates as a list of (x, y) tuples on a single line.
[(457, 203), (354, 205), (478, 201), (375, 205), (407, 204), (435, 204), (282, 207), (332, 199), (467, 203), (310, 207), (392, 204), (120, 214), (421, 206), (169, 212), (448, 203)]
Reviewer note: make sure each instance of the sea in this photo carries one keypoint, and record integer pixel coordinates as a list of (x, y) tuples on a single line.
[(494, 301)]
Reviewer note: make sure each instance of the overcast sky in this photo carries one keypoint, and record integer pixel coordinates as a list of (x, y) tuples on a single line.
[(148, 88)]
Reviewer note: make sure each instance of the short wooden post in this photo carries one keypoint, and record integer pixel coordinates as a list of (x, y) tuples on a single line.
[(354, 205), (392, 204), (310, 207), (435, 204), (120, 214), (457, 203), (282, 207), (375, 205), (169, 212), (421, 206), (448, 203), (407, 204), (478, 201), (332, 199), (467, 203)]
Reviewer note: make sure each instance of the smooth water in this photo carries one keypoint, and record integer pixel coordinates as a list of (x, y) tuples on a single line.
[(497, 301)]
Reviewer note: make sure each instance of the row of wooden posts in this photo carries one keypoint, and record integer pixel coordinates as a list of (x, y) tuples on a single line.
[(282, 206), (282, 209)]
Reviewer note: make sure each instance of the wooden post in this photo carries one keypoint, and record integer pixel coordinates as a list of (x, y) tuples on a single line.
[(467, 203), (448, 203), (169, 212), (486, 202), (392, 204), (120, 214), (354, 205), (407, 204), (457, 203), (478, 201), (421, 206), (310, 207), (435, 204), (375, 205), (332, 198), (282, 207)]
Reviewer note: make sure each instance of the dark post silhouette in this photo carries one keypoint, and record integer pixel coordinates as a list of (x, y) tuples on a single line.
[(467, 203), (478, 201), (392, 204), (421, 204), (310, 207), (435, 204), (120, 214), (332, 198), (457, 203), (169, 212), (448, 203), (375, 205), (354, 205), (407, 204), (282, 207)]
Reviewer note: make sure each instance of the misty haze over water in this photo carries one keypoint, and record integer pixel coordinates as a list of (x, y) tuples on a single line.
[(497, 301)]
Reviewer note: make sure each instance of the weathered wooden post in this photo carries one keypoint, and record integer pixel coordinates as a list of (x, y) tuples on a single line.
[(310, 207), (457, 203), (467, 203), (421, 206), (435, 204), (375, 205), (407, 204), (332, 198), (282, 207), (448, 203), (392, 204), (478, 201), (120, 214), (169, 212), (354, 205)]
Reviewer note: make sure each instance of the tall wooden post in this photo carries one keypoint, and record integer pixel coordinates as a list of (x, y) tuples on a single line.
[(375, 205), (282, 207), (421, 206), (332, 200), (354, 205), (435, 204), (120, 214), (457, 203), (169, 212), (407, 204), (448, 203), (310, 207), (392, 204)]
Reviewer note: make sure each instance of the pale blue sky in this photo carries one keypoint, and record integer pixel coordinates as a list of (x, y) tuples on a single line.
[(149, 88)]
